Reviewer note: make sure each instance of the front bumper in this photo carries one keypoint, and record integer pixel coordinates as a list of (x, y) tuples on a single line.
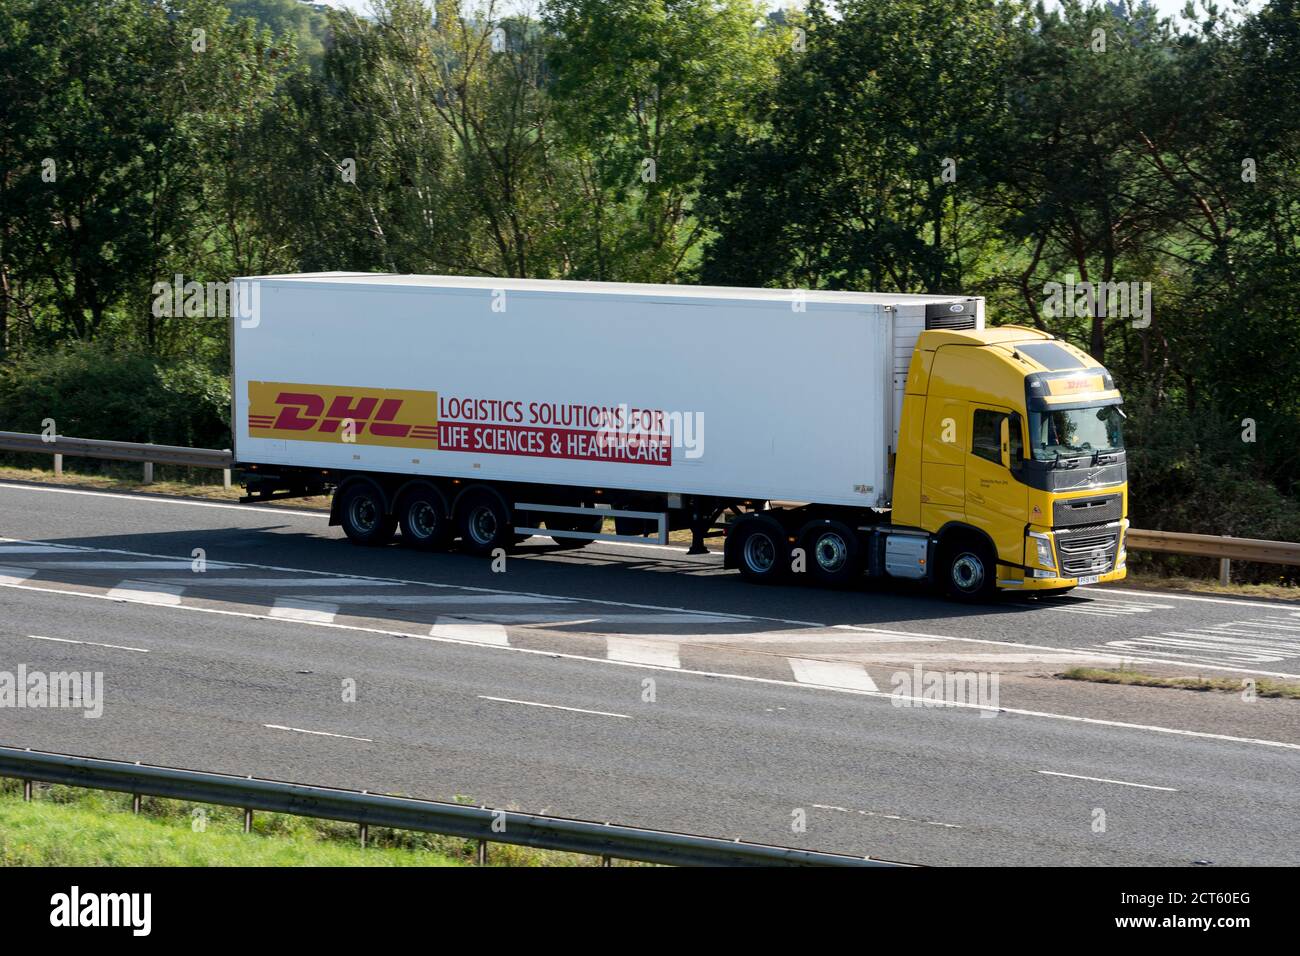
[(1047, 584), (1068, 557)]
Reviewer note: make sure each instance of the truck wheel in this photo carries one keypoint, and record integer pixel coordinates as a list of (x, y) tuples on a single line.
[(831, 552), (426, 525), (484, 523), (361, 512), (969, 570), (590, 524), (761, 551)]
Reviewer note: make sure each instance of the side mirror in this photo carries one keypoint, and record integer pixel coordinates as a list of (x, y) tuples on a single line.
[(1004, 442)]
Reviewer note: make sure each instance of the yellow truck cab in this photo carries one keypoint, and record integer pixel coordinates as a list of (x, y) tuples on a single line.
[(1011, 449)]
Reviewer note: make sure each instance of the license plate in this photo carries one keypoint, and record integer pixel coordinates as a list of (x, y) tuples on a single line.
[(1089, 579)]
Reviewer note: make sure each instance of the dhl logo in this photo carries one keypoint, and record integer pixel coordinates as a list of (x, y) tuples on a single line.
[(1078, 383), (377, 416)]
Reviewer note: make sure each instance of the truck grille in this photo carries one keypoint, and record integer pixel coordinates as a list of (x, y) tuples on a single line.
[(1090, 511), (1087, 550)]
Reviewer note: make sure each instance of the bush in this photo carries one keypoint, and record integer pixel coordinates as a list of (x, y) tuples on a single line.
[(92, 391), (1193, 473)]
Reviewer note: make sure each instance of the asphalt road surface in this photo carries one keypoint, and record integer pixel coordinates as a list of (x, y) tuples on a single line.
[(647, 687)]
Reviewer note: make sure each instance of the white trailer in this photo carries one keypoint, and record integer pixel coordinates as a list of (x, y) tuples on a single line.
[(663, 405)]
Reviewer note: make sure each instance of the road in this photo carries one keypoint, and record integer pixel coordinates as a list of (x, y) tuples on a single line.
[(647, 687)]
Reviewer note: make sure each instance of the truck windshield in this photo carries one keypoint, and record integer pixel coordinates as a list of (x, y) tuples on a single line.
[(1069, 433)]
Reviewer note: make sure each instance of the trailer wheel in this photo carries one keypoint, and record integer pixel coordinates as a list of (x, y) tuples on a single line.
[(969, 569), (484, 523), (832, 553), (761, 552), (426, 524), (362, 515)]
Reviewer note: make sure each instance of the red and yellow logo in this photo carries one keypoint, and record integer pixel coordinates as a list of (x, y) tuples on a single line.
[(1077, 383), (334, 413)]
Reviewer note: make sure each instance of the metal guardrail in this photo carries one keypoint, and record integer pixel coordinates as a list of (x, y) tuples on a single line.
[(147, 454), (1215, 546), (1222, 547), (483, 824)]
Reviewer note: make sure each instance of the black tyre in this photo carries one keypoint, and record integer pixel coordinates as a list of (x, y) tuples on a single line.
[(484, 523), (969, 570), (425, 519), (362, 514), (832, 553), (761, 551), (591, 524)]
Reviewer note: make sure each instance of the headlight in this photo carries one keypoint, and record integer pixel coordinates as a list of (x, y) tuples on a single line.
[(1043, 550)]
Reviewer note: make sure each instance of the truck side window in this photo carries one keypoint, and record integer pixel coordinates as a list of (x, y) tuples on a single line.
[(986, 435)]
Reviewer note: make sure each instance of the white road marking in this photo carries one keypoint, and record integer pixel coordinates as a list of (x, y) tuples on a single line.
[(34, 549), (317, 733), (888, 816), (832, 674), (66, 640), (527, 620), (1047, 715), (1166, 596), (416, 599), (1153, 657), (803, 637), (460, 630), (1102, 608), (165, 500), (533, 703), (176, 564), (1064, 657), (146, 592), (287, 610), (203, 580), (642, 651), (1122, 783), (12, 576)]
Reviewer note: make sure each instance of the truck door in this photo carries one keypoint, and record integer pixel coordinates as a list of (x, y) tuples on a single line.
[(995, 500)]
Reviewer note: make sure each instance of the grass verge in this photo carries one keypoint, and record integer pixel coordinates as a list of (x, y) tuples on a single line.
[(71, 826), (1160, 582), (1263, 686)]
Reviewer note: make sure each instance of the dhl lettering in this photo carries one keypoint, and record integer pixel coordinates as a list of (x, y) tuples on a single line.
[(378, 416)]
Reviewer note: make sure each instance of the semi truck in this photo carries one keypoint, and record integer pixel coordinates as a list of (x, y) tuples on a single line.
[(826, 436)]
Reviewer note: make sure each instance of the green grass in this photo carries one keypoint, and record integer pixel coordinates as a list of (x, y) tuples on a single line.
[(42, 833), (1263, 686), (71, 826)]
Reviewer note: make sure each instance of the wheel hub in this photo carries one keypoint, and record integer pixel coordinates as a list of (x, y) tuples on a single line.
[(968, 572)]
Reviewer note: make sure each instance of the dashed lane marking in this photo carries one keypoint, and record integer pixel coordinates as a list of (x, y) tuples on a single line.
[(643, 651), (748, 678), (460, 630), (1122, 783), (317, 733), (146, 592), (832, 674), (68, 640), (888, 816), (533, 703), (287, 610)]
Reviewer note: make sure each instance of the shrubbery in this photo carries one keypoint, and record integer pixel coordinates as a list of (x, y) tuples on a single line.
[(94, 391)]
